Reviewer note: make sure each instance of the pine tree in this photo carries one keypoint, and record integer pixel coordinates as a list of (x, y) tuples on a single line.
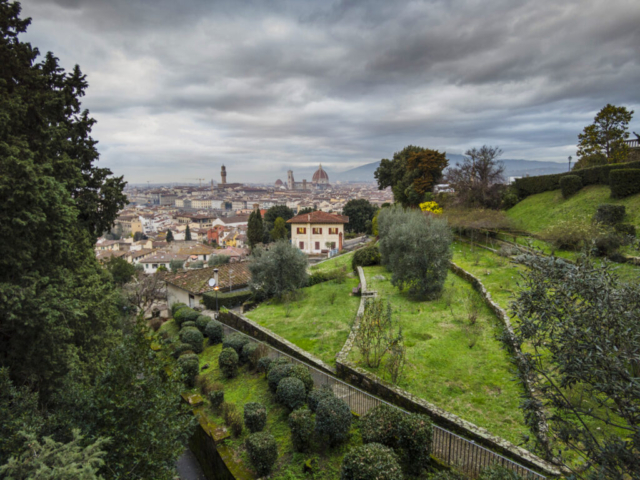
[(187, 234), (169, 237), (255, 230)]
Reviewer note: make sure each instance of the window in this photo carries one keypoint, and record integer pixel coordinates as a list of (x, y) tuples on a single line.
[(333, 231), (317, 231), (155, 265), (301, 245), (301, 230), (317, 245)]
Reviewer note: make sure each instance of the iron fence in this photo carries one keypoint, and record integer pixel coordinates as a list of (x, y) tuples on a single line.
[(463, 454)]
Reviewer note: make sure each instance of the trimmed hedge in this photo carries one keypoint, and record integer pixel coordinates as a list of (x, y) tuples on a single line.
[(255, 416), (624, 182), (227, 300), (228, 362), (185, 314), (263, 452), (570, 185), (291, 393), (214, 332), (189, 367), (317, 395), (247, 350), (415, 436), (590, 176), (301, 425), (181, 348), (610, 214), (380, 425), (333, 420), (202, 321), (236, 341), (322, 276), (626, 229), (277, 373), (365, 257), (302, 373), (278, 361), (372, 461), (188, 324), (177, 306), (193, 337)]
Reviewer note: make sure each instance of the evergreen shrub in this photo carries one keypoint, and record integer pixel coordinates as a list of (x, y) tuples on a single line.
[(277, 373), (498, 472), (372, 461), (181, 348), (624, 182), (301, 425), (202, 321), (317, 395), (235, 423), (193, 337), (333, 419), (185, 314), (247, 351), (365, 257), (380, 425), (216, 398), (226, 300), (188, 324), (228, 362), (263, 364), (214, 332), (609, 214), (626, 229), (177, 306), (235, 341), (189, 367), (291, 393), (255, 416), (415, 435), (278, 361), (263, 452), (570, 185), (302, 373)]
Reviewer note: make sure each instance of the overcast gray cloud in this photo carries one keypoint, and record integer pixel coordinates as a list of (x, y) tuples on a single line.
[(178, 88)]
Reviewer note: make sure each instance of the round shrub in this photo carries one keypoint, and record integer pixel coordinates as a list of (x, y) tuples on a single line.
[(216, 398), (498, 472), (291, 393), (276, 374), (193, 337), (301, 425), (185, 314), (570, 185), (365, 257), (415, 434), (278, 361), (447, 475), (214, 332), (247, 350), (380, 425), (302, 373), (228, 362), (235, 341), (202, 321), (255, 416), (177, 306), (609, 214), (263, 452), (188, 325), (317, 395), (372, 461), (189, 367), (182, 348), (263, 364), (333, 419)]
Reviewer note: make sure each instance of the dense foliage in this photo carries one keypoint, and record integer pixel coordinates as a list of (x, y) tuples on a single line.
[(416, 249), (415, 435), (371, 462), (263, 452), (624, 182), (202, 321), (570, 185), (270, 217), (281, 269), (302, 373), (301, 425), (366, 256), (333, 420), (277, 373), (317, 395), (193, 337), (255, 416), (291, 393), (279, 230), (360, 212), (606, 135), (380, 425), (608, 214), (228, 362), (255, 229), (189, 367), (237, 341)]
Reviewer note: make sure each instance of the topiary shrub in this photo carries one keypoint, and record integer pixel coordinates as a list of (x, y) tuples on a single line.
[(236, 341), (447, 475), (189, 367), (214, 332), (188, 325), (365, 257), (278, 361), (228, 362), (380, 425), (255, 416), (606, 244), (247, 350), (177, 306), (317, 395), (263, 452), (301, 425), (333, 420), (570, 185), (263, 364), (291, 393), (216, 398), (202, 321), (609, 214), (185, 314), (497, 472), (624, 182), (276, 374), (193, 337), (181, 348), (372, 461), (302, 373), (415, 435)]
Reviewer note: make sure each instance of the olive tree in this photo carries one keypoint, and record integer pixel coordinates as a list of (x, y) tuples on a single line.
[(279, 270), (415, 248)]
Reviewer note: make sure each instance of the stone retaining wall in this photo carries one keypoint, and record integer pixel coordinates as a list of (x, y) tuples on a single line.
[(343, 354)]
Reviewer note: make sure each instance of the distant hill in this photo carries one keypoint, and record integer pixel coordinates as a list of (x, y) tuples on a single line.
[(513, 168)]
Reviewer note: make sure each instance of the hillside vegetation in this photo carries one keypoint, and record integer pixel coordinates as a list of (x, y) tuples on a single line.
[(538, 212)]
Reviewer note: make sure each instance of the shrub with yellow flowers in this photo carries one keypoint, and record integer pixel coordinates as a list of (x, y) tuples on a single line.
[(431, 207)]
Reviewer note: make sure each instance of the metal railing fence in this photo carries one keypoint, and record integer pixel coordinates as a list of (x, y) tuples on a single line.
[(464, 455)]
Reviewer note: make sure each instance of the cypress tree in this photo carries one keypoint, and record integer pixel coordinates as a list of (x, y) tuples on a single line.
[(255, 230), (187, 234), (169, 237)]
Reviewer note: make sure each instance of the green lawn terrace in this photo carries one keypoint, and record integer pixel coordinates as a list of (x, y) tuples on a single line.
[(341, 261), (318, 320), (476, 383)]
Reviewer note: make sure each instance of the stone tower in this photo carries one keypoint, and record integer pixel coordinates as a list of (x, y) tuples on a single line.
[(291, 184), (223, 174)]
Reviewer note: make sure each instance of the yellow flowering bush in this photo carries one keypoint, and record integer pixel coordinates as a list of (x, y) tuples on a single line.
[(432, 207)]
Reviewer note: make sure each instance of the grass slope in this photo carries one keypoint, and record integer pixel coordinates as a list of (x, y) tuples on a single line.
[(475, 383), (319, 321), (343, 260), (538, 212)]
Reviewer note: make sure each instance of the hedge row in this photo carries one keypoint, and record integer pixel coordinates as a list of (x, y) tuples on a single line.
[(624, 182), (227, 300), (590, 176)]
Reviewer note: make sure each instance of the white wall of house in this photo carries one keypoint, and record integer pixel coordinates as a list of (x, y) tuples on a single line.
[(178, 295), (312, 238)]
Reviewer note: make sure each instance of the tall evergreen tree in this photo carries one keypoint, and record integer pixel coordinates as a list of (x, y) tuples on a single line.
[(169, 236), (255, 230), (187, 234), (56, 301)]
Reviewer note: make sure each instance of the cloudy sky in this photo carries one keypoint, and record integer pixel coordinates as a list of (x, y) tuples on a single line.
[(180, 87)]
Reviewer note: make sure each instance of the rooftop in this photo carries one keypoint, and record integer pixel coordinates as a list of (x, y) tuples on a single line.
[(234, 275), (319, 217)]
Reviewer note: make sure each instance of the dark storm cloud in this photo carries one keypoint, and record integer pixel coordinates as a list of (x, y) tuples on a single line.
[(186, 86)]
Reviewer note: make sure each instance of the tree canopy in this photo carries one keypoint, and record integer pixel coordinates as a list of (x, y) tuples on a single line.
[(606, 135), (270, 217), (411, 174), (281, 269), (360, 211), (279, 230), (255, 229)]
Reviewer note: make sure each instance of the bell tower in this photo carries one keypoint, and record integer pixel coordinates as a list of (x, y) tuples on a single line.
[(223, 174)]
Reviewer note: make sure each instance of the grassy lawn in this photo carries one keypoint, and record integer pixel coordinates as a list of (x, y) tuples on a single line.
[(475, 383), (319, 321), (538, 212), (335, 262)]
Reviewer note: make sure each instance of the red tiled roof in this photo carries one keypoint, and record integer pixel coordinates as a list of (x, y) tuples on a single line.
[(319, 217), (234, 275)]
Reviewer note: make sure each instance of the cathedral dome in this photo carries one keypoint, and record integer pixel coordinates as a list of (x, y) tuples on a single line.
[(320, 176), (279, 183)]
